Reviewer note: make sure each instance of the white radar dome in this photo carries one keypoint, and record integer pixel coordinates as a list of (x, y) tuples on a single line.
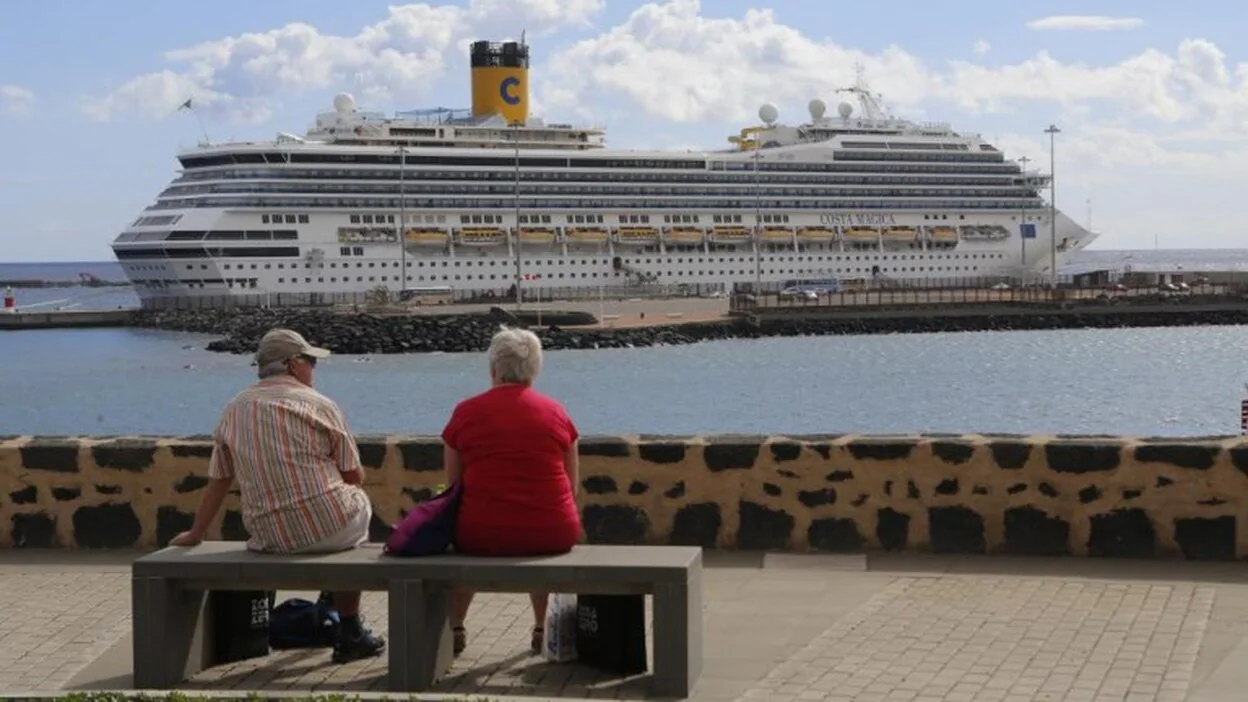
[(768, 113), (344, 103), (845, 110), (818, 108)]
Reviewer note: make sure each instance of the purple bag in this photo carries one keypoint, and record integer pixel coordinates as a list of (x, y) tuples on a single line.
[(429, 528)]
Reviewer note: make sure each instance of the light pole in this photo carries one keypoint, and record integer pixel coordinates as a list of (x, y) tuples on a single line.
[(1052, 131), (1022, 220), (402, 228), (516, 143)]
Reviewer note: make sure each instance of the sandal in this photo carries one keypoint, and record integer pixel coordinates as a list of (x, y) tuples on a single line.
[(459, 640), (535, 642)]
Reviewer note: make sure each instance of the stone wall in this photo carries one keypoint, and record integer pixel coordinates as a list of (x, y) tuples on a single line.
[(1095, 496)]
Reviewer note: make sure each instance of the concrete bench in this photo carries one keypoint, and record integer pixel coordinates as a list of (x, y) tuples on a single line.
[(173, 639)]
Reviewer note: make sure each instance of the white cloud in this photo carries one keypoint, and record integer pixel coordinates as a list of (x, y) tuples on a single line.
[(981, 47), (16, 100), (1085, 23), (402, 55)]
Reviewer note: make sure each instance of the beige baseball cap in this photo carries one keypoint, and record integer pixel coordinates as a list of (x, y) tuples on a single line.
[(284, 344)]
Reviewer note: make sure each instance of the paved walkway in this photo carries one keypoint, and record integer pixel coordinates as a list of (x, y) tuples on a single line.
[(779, 627)]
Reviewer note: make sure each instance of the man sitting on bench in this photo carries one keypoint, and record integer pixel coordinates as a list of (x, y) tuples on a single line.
[(298, 471)]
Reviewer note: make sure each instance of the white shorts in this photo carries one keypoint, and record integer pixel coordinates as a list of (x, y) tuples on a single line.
[(352, 535)]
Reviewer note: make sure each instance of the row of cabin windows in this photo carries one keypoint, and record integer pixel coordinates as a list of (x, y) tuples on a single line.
[(283, 218)]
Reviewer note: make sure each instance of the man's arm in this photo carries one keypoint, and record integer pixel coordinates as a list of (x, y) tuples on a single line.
[(572, 464), (220, 478), (346, 452), (453, 464)]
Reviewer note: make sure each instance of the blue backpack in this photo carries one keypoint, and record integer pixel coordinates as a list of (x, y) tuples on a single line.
[(298, 623)]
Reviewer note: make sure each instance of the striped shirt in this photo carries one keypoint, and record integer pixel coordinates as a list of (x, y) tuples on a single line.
[(286, 446)]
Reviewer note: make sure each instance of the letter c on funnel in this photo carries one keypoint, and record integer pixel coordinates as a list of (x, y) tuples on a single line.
[(505, 87)]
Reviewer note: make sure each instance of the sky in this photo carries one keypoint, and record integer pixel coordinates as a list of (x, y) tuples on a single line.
[(1151, 97)]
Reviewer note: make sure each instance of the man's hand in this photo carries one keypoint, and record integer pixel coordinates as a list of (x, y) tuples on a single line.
[(186, 538)]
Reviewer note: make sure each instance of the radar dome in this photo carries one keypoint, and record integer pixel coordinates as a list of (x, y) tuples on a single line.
[(845, 110), (818, 108), (768, 113), (344, 103)]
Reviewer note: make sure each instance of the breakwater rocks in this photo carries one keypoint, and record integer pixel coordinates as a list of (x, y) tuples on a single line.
[(358, 333)]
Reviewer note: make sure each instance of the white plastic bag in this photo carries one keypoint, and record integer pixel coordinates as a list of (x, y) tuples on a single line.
[(559, 644)]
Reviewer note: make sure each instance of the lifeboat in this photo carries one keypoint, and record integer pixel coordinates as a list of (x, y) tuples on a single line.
[(480, 236), (860, 234), (636, 235), (777, 235), (815, 234), (587, 235), (425, 236), (731, 233), (684, 235), (943, 234), (900, 233), (537, 235)]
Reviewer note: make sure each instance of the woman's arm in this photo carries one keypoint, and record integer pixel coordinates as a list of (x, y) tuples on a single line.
[(572, 464), (453, 465)]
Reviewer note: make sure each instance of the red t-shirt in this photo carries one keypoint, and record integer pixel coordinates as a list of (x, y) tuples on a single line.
[(517, 499)]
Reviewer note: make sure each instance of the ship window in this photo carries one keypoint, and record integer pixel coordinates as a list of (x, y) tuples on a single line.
[(355, 219), (303, 219), (264, 219)]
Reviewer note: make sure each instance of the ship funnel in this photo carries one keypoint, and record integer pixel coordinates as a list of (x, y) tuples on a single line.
[(500, 80)]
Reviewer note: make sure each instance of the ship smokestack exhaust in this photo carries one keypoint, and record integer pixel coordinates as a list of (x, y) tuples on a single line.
[(500, 80)]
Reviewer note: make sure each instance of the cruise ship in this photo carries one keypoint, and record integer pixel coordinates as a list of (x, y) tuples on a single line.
[(488, 198)]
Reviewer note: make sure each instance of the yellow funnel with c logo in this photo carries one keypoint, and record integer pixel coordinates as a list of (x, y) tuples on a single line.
[(500, 80)]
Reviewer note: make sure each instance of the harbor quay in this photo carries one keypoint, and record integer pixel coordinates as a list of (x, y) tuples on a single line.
[(838, 567)]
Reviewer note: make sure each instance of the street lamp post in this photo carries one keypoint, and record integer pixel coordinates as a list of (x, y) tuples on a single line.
[(1022, 220), (1052, 131), (516, 143)]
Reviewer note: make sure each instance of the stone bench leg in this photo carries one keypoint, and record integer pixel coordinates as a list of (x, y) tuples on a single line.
[(170, 640), (419, 644), (678, 636)]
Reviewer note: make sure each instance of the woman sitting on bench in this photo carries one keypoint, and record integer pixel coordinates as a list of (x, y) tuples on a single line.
[(516, 451)]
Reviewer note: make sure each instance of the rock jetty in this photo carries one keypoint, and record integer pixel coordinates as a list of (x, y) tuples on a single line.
[(240, 329)]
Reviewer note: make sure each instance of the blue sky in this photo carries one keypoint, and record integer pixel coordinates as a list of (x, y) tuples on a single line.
[(1152, 97)]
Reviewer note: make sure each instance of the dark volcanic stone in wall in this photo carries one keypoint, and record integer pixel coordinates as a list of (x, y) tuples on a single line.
[(190, 483), (783, 451), (956, 530), (762, 529), (1010, 455), (662, 452), (1206, 539), (36, 530), (378, 530), (1193, 456), (1239, 458), (232, 528), (839, 476), (772, 489), (418, 495), (676, 491), (171, 521), (730, 454), (65, 494), (191, 450), (56, 455), (133, 455), (1082, 457), (421, 456), (1031, 532), (372, 452), (697, 525), (638, 488), (836, 535), (1122, 533), (110, 525), (948, 486), (880, 449), (600, 485), (954, 452), (604, 447), (615, 524), (892, 529), (26, 496), (817, 498), (1089, 494), (108, 489)]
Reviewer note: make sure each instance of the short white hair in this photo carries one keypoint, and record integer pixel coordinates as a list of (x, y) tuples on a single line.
[(515, 356)]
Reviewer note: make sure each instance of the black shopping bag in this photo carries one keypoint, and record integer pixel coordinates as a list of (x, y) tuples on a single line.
[(611, 632), (240, 624)]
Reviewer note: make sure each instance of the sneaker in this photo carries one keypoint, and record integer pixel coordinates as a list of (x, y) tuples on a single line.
[(358, 645)]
